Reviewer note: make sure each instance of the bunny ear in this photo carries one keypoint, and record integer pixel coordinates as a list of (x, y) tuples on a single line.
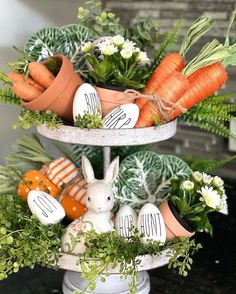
[(87, 169), (112, 171)]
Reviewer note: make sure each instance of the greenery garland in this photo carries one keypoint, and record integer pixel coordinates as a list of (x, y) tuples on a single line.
[(108, 251), (24, 242)]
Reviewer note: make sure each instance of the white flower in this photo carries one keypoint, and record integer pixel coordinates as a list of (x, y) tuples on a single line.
[(188, 185), (142, 58), (107, 48), (118, 40), (129, 45), (218, 182), (126, 53), (86, 47), (136, 49), (223, 205), (206, 178), (210, 197), (197, 176)]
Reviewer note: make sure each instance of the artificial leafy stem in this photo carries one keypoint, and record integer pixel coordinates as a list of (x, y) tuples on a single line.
[(27, 118), (231, 22), (199, 28), (212, 52), (21, 65)]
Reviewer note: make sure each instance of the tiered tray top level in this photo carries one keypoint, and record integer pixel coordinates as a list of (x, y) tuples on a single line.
[(110, 137)]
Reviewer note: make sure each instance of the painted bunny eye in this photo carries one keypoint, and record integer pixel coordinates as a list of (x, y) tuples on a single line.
[(89, 199), (108, 198)]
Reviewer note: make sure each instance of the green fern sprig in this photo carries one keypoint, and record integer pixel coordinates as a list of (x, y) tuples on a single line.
[(8, 97), (212, 114), (204, 165)]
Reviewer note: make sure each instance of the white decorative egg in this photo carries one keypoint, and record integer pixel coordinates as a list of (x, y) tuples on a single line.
[(126, 220), (151, 224), (46, 208), (86, 100), (122, 117)]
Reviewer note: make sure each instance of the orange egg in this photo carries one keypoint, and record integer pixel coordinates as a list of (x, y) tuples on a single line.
[(35, 180), (73, 208)]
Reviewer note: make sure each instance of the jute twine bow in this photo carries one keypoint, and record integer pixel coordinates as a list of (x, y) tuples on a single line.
[(162, 106)]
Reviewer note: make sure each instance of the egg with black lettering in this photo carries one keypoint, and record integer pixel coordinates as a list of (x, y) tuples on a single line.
[(46, 208), (126, 221), (86, 100), (151, 224), (122, 117)]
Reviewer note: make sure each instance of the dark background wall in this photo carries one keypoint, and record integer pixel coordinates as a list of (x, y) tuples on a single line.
[(188, 140)]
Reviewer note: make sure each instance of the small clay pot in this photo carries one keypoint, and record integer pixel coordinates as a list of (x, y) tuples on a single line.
[(59, 96), (112, 97), (175, 225)]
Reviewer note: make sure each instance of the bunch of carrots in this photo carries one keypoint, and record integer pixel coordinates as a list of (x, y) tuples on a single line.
[(176, 90), (32, 86), (175, 86)]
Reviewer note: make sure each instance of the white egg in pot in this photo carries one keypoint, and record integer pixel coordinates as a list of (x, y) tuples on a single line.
[(151, 224), (46, 208), (126, 220), (122, 117), (86, 100)]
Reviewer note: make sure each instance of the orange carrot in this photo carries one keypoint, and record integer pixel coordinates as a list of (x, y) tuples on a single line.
[(25, 91), (41, 74), (203, 83), (171, 89), (171, 62), (15, 77)]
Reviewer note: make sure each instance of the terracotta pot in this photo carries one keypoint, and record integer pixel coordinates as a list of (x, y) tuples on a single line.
[(60, 95), (112, 97), (175, 225)]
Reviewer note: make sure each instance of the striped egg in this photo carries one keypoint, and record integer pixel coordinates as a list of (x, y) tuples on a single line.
[(73, 198), (61, 171)]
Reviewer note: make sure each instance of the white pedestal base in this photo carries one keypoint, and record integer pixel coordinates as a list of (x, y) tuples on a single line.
[(113, 285)]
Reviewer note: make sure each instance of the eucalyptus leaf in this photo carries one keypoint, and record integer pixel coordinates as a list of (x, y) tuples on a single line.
[(146, 176)]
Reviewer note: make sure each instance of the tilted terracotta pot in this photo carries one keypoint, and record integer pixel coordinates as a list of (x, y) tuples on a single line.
[(112, 97), (175, 225), (59, 96)]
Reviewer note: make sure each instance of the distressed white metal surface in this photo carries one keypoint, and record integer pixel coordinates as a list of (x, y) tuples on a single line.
[(114, 284), (108, 137), (70, 262)]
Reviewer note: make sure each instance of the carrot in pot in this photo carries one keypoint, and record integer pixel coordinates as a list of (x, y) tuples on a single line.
[(25, 91), (169, 91), (15, 77), (203, 83), (41, 74), (171, 62)]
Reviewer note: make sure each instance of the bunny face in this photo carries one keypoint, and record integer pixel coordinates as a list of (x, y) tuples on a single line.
[(100, 198)]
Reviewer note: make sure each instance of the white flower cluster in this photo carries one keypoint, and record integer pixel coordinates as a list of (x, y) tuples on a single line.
[(212, 191), (112, 45)]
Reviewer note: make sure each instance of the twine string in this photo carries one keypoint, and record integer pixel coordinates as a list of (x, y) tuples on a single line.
[(162, 106)]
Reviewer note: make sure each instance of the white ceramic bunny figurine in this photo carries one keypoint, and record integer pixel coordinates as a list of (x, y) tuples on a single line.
[(99, 202)]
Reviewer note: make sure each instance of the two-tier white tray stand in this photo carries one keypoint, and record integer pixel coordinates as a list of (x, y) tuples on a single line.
[(106, 137)]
